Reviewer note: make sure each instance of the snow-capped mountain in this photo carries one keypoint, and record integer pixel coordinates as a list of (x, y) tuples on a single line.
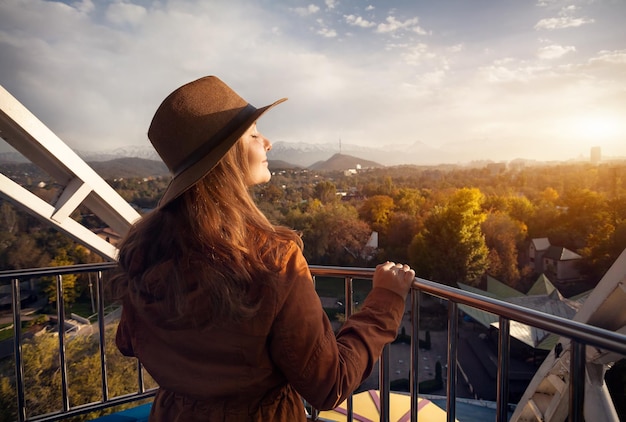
[(146, 152), (300, 154)]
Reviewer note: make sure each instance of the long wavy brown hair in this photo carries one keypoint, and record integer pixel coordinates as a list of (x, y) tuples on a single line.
[(204, 257)]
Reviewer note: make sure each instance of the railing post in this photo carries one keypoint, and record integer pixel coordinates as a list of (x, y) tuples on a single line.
[(349, 309), (415, 341), (101, 331), (384, 389), (453, 336), (502, 407), (17, 349), (577, 372), (141, 388), (61, 332), (315, 414)]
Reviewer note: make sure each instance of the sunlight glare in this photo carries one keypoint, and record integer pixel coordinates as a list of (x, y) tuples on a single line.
[(598, 127)]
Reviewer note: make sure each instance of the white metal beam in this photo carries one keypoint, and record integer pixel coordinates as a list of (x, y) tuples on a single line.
[(81, 184), (36, 206)]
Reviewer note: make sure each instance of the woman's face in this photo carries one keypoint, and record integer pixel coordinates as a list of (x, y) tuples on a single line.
[(257, 146)]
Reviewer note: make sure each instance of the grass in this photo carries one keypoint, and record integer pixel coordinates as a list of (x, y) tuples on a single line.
[(7, 333), (82, 308)]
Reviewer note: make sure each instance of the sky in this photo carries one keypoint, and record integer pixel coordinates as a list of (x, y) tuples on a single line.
[(480, 79)]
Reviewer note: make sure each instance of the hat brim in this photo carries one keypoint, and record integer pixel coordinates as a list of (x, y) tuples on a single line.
[(194, 173)]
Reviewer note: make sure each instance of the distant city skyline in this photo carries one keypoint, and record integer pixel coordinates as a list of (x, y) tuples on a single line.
[(480, 80)]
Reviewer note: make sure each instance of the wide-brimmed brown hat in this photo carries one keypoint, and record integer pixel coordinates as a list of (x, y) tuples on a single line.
[(195, 126)]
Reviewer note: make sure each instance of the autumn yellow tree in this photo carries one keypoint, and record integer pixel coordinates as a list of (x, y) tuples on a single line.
[(503, 235), (42, 376)]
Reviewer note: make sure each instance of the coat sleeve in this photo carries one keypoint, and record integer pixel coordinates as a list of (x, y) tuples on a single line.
[(325, 369)]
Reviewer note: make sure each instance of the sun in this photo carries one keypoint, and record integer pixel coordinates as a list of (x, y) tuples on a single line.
[(599, 128)]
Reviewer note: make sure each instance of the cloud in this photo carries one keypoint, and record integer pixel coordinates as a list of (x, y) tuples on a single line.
[(417, 53), (358, 21), (327, 33), (393, 25), (562, 22), (614, 57), (554, 51), (324, 31), (95, 71), (511, 70), (85, 6), (121, 13), (331, 4), (311, 9), (568, 10)]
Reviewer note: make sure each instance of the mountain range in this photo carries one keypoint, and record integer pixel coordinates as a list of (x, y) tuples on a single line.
[(327, 156), (119, 165), (304, 155), (298, 154)]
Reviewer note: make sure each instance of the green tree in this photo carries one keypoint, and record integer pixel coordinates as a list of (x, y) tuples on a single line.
[(68, 282), (42, 377), (326, 192), (586, 212), (602, 249), (452, 247), (401, 230), (8, 400), (24, 252)]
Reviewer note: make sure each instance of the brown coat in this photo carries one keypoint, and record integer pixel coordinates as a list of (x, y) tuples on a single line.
[(259, 369)]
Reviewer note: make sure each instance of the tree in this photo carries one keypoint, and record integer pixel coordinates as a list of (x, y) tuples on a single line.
[(377, 210), (409, 201), (452, 247), (503, 234), (24, 252), (587, 212), (326, 192), (602, 250), (400, 232), (271, 193), (42, 378), (68, 282), (332, 233), (8, 218)]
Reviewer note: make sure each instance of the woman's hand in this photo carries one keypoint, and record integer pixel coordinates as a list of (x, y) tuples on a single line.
[(395, 277)]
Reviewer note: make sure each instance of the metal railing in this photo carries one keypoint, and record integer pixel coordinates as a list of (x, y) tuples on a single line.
[(581, 335)]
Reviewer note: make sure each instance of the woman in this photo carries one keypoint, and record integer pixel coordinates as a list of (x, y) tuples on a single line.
[(218, 303)]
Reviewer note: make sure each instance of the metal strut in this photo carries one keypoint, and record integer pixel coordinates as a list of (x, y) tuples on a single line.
[(80, 183)]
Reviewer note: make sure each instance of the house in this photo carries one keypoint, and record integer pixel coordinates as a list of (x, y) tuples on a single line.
[(536, 250), (560, 264)]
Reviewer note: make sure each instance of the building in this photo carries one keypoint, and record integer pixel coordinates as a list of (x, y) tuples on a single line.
[(596, 155), (560, 264), (536, 249)]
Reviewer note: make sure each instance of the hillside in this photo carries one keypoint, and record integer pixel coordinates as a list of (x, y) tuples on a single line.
[(28, 173), (129, 167), (340, 162), (281, 165)]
